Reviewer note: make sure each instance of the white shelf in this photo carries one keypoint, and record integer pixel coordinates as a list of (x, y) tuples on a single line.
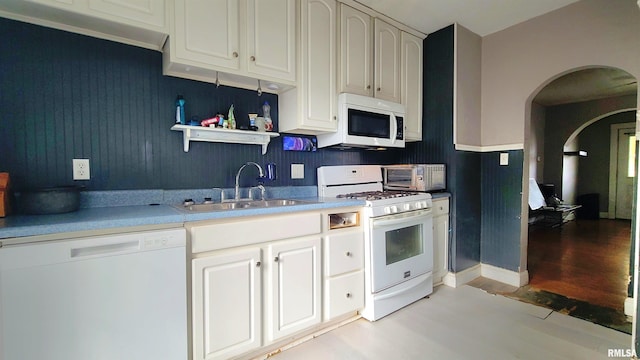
[(200, 133)]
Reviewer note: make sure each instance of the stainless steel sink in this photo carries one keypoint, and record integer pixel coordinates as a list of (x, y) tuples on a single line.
[(243, 204)]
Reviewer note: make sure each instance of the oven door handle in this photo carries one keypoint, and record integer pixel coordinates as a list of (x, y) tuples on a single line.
[(401, 219)]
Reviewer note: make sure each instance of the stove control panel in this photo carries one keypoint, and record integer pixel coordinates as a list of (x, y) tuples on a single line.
[(409, 206)]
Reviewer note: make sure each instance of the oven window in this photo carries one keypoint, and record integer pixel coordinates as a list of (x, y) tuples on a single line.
[(403, 243), (363, 123)]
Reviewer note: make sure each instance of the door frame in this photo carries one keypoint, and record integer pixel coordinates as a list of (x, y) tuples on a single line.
[(613, 165)]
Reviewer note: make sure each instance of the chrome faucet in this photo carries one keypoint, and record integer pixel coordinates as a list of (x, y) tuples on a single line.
[(260, 176)]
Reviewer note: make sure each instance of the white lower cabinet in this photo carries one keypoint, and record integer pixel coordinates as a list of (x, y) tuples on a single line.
[(343, 271), (293, 287), (258, 292), (440, 238), (227, 304)]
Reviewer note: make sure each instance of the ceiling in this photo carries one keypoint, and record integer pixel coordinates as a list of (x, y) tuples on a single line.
[(485, 17)]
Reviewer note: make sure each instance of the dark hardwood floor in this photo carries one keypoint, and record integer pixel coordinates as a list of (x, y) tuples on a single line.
[(584, 259)]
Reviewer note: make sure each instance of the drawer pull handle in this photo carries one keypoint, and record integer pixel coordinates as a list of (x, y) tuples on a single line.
[(348, 253), (276, 259), (253, 58), (235, 54), (348, 295), (258, 263)]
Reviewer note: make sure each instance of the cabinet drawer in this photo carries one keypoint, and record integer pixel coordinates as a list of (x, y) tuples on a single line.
[(440, 206), (343, 252), (227, 234), (344, 294)]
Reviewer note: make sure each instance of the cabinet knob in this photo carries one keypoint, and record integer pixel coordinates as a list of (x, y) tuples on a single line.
[(258, 263), (348, 295), (378, 89), (276, 259), (348, 253), (252, 58), (335, 117), (235, 54), (368, 87)]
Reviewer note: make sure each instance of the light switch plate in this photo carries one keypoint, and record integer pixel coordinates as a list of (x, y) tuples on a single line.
[(297, 171), (504, 159)]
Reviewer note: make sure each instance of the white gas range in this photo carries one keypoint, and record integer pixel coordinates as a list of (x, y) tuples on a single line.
[(398, 237)]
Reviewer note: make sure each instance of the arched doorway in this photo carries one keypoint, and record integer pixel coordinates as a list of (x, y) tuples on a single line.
[(560, 111)]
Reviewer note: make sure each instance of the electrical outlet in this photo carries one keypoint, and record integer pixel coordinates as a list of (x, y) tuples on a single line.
[(297, 171), (81, 169), (504, 159)]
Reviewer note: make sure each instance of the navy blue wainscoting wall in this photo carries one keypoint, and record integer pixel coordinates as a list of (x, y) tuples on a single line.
[(66, 96), (501, 207)]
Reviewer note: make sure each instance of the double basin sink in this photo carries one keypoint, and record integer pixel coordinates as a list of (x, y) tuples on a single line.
[(243, 204)]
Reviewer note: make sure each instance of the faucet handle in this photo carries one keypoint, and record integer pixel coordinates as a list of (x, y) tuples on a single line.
[(262, 191), (222, 197)]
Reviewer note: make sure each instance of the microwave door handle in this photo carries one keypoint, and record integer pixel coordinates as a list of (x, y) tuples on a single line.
[(394, 128)]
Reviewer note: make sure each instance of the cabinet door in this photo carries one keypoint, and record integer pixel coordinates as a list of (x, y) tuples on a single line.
[(226, 304), (356, 52), (148, 13), (294, 286), (440, 246), (207, 32), (319, 56), (411, 80), (387, 61), (271, 38)]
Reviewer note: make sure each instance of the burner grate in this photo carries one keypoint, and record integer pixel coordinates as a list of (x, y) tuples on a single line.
[(377, 195)]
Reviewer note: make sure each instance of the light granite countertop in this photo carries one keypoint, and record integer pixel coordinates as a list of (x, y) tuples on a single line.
[(130, 209)]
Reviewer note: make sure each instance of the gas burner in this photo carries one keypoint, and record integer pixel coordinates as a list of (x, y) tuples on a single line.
[(377, 195)]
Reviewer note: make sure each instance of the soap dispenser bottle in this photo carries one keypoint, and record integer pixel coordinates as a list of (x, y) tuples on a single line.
[(180, 118)]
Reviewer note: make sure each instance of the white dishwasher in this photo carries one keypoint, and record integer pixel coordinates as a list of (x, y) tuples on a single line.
[(109, 297)]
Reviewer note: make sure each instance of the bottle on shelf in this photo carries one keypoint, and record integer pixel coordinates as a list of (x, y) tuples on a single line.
[(180, 118)]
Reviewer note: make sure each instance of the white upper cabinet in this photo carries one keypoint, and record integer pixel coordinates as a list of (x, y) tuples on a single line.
[(233, 41), (387, 61), (356, 52), (369, 56), (141, 23), (146, 13), (271, 38), (411, 80), (193, 32), (310, 108)]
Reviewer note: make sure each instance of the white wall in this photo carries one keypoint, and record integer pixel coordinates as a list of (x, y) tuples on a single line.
[(467, 87), (536, 143), (517, 62)]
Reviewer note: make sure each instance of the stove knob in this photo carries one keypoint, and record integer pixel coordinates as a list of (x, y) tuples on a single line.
[(407, 207), (387, 210), (418, 205), (394, 209)]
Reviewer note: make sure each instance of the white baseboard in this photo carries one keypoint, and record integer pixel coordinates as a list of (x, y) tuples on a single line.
[(462, 277), (629, 307), (505, 276)]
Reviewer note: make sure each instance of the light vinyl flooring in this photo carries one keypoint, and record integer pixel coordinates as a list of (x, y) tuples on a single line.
[(464, 323)]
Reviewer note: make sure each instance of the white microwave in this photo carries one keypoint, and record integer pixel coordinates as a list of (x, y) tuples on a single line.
[(366, 122), (414, 177)]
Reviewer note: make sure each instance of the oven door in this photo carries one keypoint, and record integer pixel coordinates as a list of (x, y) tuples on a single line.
[(401, 248)]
